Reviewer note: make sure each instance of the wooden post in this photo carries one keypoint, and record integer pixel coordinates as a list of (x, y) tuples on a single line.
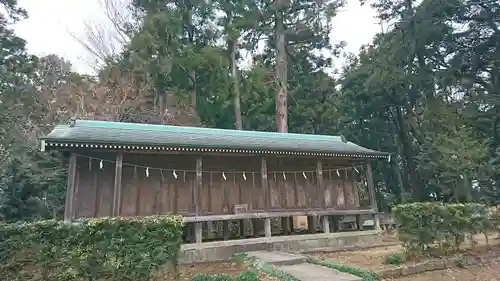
[(311, 224), (376, 221), (117, 190), (225, 229), (322, 199), (267, 199), (68, 210), (263, 181), (267, 227), (198, 230), (198, 185), (373, 196), (321, 185), (359, 223), (334, 222), (326, 224), (355, 190)]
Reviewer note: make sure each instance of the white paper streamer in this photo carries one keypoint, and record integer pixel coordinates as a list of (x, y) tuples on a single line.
[(304, 174), (147, 172), (100, 165), (224, 176), (356, 170), (284, 176), (175, 174), (338, 174), (244, 176)]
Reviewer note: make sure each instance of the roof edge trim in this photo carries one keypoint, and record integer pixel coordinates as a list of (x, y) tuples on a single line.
[(65, 145)]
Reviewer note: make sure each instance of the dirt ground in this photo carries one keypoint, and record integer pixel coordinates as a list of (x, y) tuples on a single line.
[(373, 259), (187, 272), (488, 272)]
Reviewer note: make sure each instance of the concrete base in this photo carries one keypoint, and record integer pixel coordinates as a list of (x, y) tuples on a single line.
[(224, 250)]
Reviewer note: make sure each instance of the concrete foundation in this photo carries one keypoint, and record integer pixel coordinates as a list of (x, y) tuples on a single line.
[(224, 250)]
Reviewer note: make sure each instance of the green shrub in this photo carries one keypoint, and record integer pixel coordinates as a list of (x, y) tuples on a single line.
[(424, 226), (248, 276), (460, 263), (395, 259), (120, 249)]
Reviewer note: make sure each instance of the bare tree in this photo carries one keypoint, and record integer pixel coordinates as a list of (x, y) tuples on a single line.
[(104, 40)]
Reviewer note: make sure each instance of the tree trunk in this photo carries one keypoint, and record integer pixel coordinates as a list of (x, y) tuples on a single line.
[(192, 79), (234, 75), (192, 73), (281, 75)]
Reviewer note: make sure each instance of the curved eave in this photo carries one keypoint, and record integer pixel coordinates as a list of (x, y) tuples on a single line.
[(48, 144)]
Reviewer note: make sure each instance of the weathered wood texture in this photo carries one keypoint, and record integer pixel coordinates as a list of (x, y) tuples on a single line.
[(160, 192)]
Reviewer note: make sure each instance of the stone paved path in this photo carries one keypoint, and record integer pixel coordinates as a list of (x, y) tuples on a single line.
[(297, 266)]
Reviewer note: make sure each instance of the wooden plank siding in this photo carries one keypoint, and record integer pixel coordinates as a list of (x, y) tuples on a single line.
[(160, 192)]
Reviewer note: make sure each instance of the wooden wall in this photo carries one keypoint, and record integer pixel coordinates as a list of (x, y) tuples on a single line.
[(161, 193)]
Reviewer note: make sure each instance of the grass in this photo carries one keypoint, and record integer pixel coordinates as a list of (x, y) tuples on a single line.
[(263, 267), (365, 275), (395, 259)]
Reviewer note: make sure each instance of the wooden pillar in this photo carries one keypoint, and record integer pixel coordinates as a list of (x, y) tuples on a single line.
[(267, 227), (359, 223), (321, 185), (225, 229), (263, 181), (373, 196), (326, 224), (70, 193), (267, 198), (321, 192), (198, 230), (311, 224), (334, 223), (355, 189), (117, 190)]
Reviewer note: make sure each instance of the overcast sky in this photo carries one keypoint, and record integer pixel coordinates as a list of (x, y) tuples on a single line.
[(52, 23)]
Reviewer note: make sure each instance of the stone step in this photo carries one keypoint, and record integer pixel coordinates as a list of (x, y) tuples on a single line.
[(313, 272), (277, 258)]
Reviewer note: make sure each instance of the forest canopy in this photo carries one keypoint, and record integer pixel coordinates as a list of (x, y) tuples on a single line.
[(427, 89)]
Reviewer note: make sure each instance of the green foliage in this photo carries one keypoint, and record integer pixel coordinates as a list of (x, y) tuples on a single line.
[(118, 249), (264, 267), (460, 262), (273, 271), (365, 275), (423, 226), (243, 276), (395, 259), (248, 276)]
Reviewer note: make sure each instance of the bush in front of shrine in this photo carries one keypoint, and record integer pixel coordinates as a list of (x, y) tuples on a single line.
[(438, 228), (118, 249)]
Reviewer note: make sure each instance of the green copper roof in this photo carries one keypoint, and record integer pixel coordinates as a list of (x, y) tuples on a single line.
[(125, 134)]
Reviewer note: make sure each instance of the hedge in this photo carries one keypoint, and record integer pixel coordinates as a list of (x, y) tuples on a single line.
[(423, 227), (118, 249)]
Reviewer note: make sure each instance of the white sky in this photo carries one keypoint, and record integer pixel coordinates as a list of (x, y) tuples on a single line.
[(52, 23)]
